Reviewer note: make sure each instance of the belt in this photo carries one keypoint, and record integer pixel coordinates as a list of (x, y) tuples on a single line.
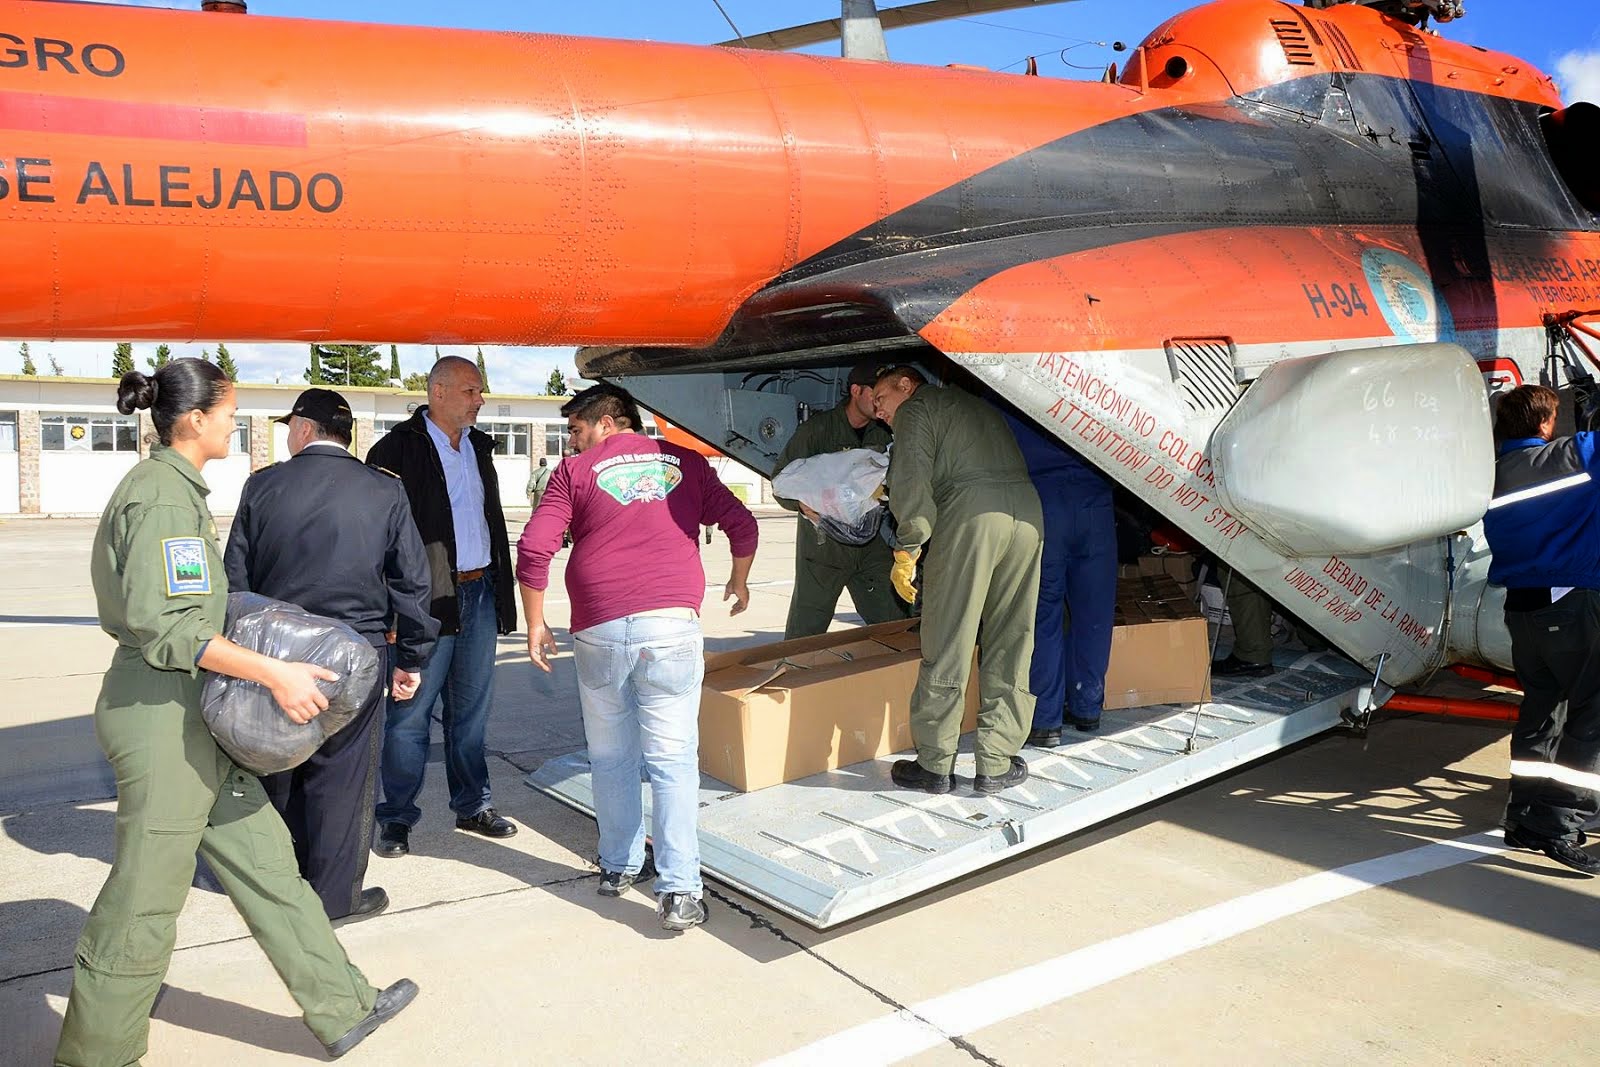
[(1531, 599), (463, 577)]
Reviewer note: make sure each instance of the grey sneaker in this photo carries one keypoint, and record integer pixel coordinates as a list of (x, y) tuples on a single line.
[(680, 911), (616, 883)]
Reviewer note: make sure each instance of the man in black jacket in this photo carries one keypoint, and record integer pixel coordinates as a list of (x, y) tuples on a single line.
[(447, 467), (334, 536)]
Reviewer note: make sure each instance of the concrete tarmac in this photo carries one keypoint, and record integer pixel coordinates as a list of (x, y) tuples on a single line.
[(1199, 930)]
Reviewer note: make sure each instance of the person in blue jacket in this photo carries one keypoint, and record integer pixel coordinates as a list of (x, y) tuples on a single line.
[(1543, 526), (1078, 576)]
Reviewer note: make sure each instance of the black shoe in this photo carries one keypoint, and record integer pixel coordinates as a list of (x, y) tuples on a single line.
[(487, 823), (909, 774), (680, 911), (372, 902), (390, 1002), (1087, 726), (1045, 739), (994, 783), (1231, 666), (1566, 853), (393, 840), (616, 883)]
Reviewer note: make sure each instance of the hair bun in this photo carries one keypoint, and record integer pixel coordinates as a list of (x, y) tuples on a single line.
[(136, 392)]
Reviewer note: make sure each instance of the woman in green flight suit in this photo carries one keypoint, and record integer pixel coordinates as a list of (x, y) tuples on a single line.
[(162, 593)]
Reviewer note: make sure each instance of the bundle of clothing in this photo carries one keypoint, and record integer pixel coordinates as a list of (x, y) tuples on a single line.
[(242, 715), (845, 489)]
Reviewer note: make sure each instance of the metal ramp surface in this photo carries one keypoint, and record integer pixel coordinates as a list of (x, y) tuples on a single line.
[(835, 846)]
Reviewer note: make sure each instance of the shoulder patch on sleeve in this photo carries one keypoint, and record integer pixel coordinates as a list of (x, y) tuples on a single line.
[(386, 470), (188, 571)]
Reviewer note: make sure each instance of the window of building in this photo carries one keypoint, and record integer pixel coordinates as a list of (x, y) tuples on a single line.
[(8, 431), (556, 442), (380, 427), (510, 438), (240, 444), (89, 433)]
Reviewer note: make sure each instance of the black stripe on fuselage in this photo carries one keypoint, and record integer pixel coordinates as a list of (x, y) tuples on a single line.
[(1329, 150)]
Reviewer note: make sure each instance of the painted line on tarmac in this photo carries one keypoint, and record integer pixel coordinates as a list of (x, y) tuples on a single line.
[(927, 1025)]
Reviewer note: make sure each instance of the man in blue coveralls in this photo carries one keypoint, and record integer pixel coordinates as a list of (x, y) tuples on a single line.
[(1079, 573)]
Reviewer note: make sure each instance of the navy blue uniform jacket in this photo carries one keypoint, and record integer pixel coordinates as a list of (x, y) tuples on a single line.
[(332, 535)]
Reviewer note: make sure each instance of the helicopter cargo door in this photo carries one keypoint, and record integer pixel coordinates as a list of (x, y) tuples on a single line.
[(842, 844)]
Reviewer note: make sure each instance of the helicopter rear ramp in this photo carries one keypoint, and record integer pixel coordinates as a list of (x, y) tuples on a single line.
[(838, 845)]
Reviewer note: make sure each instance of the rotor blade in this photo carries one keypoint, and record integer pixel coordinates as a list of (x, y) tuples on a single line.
[(893, 18)]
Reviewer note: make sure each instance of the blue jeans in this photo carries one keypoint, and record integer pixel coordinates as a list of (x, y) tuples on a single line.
[(462, 671), (639, 687)]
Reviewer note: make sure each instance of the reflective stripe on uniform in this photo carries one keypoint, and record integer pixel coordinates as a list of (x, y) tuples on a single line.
[(1555, 772), (1569, 482)]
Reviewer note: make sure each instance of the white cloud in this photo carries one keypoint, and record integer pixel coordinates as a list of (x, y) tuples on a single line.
[(1578, 74), (512, 370)]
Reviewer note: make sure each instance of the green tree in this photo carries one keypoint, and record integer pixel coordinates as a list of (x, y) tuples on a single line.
[(394, 365), (162, 357), (55, 367), (121, 360), (27, 360), (483, 372), (225, 362), (557, 385), (416, 382), (205, 354), (346, 365)]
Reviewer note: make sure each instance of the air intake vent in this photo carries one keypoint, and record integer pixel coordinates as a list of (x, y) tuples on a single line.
[(1341, 45), (1296, 45), (1421, 149), (1202, 369)]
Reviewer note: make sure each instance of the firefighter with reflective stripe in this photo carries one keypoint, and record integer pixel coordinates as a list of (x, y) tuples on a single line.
[(958, 486), (1543, 526)]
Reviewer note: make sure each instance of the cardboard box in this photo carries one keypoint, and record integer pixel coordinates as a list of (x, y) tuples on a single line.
[(776, 712), (1160, 650), (1179, 566)]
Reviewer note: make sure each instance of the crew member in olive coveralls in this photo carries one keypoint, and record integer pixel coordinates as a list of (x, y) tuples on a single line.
[(959, 487), (824, 567), (162, 593)]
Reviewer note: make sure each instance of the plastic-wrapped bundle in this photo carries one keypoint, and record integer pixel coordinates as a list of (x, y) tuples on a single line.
[(860, 533), (242, 715), (842, 486)]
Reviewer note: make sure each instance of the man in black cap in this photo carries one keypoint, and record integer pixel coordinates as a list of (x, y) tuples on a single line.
[(330, 534), (823, 567)]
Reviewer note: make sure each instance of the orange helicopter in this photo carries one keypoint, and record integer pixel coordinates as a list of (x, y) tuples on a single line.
[(1325, 200)]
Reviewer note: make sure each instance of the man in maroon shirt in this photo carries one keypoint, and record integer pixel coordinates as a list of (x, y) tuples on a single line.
[(635, 506)]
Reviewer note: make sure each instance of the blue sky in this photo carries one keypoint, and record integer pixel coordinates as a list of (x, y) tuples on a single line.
[(1563, 38)]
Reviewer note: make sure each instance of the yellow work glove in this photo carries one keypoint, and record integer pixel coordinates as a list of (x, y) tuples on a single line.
[(904, 574)]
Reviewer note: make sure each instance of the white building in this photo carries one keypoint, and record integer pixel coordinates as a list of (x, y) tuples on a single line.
[(64, 447)]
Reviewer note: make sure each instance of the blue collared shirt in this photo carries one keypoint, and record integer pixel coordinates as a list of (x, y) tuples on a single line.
[(465, 486)]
